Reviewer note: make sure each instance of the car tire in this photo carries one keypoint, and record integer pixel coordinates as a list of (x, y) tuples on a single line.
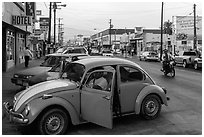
[(195, 65), (151, 107), (184, 64), (53, 122)]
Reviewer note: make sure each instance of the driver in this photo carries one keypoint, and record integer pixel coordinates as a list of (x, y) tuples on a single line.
[(166, 59), (99, 82)]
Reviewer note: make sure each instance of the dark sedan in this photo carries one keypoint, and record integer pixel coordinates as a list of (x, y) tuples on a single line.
[(21, 77)]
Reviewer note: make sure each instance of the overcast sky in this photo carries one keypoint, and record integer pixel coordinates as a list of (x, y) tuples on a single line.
[(87, 15)]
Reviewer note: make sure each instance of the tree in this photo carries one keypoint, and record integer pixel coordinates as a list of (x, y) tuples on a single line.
[(168, 27)]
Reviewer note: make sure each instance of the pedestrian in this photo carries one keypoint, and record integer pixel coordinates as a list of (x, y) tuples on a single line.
[(27, 56), (132, 51), (40, 52)]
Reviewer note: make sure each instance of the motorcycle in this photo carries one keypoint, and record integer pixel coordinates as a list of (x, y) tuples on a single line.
[(169, 69)]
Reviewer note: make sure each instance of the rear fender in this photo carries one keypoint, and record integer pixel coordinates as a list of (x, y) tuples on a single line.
[(38, 105), (151, 89)]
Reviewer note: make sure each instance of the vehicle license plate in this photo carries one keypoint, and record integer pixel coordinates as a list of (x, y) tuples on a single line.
[(25, 84), (19, 82)]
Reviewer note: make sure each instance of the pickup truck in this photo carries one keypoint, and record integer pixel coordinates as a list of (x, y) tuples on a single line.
[(187, 58)]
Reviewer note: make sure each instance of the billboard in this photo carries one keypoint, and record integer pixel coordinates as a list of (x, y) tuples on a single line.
[(185, 26)]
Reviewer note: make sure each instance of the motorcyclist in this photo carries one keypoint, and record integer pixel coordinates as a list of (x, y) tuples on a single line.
[(167, 57)]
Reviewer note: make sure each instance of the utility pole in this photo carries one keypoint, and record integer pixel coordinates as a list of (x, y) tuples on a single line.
[(161, 31), (54, 7), (50, 17), (59, 30), (195, 37), (110, 31)]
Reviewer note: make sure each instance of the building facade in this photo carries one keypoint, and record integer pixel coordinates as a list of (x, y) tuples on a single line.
[(111, 39), (16, 28)]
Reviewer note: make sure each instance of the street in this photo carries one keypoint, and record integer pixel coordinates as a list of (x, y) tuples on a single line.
[(182, 116)]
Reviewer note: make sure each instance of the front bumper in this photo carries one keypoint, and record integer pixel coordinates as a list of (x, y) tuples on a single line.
[(20, 82), (13, 116)]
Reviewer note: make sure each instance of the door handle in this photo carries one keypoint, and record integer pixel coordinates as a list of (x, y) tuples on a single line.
[(107, 97)]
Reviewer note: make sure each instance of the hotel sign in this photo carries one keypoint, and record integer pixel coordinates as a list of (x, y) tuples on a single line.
[(22, 20)]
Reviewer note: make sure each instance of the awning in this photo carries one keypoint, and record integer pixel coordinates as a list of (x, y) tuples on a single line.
[(4, 24)]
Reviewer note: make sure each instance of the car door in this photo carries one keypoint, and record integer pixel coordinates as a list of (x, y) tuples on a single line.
[(96, 104), (131, 82)]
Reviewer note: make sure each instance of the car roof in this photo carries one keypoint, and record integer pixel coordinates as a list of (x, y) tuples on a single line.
[(67, 55), (98, 61)]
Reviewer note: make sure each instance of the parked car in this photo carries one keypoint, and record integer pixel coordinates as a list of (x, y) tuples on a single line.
[(187, 58), (74, 49), (21, 77), (54, 72), (75, 98), (107, 53), (61, 49), (149, 56), (198, 62)]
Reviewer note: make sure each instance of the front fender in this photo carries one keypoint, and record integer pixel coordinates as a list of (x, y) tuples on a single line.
[(39, 104), (151, 89)]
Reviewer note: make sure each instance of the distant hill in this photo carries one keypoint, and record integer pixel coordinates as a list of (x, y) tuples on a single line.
[(70, 33)]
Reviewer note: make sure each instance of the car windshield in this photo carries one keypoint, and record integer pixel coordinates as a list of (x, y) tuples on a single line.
[(153, 53), (189, 53), (77, 50), (50, 61), (60, 50), (73, 72), (106, 51)]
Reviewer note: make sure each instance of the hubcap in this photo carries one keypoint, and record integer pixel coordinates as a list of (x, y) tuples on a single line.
[(184, 64), (150, 107), (53, 123), (196, 66)]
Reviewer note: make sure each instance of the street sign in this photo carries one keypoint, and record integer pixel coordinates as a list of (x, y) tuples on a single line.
[(44, 21), (38, 12)]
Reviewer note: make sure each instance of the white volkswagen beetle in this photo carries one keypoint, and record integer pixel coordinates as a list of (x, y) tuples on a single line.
[(89, 90)]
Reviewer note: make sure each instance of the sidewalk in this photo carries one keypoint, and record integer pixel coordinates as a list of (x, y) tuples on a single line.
[(7, 86)]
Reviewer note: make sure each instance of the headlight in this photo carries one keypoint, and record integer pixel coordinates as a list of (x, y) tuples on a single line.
[(27, 77), (27, 109), (15, 76), (14, 99)]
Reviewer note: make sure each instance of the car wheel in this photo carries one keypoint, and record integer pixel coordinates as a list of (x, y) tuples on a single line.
[(53, 122), (184, 64), (151, 107), (196, 65)]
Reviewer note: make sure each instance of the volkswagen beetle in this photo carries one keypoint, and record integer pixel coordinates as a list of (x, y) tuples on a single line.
[(75, 98)]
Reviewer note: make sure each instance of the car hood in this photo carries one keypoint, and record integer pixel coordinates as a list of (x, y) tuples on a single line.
[(46, 87), (33, 71)]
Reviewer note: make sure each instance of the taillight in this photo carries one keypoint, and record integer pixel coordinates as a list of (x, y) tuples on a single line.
[(164, 89)]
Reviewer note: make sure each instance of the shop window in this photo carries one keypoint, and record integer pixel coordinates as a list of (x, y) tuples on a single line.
[(183, 42), (199, 41), (10, 41)]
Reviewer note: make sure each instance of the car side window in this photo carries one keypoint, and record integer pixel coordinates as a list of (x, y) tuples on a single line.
[(100, 80), (128, 74)]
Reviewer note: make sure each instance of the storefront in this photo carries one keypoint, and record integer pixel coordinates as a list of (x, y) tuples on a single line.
[(16, 27)]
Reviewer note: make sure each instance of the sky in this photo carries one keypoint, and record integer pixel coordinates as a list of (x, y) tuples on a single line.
[(95, 15)]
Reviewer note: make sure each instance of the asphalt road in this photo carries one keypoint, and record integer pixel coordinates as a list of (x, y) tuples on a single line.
[(182, 116)]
